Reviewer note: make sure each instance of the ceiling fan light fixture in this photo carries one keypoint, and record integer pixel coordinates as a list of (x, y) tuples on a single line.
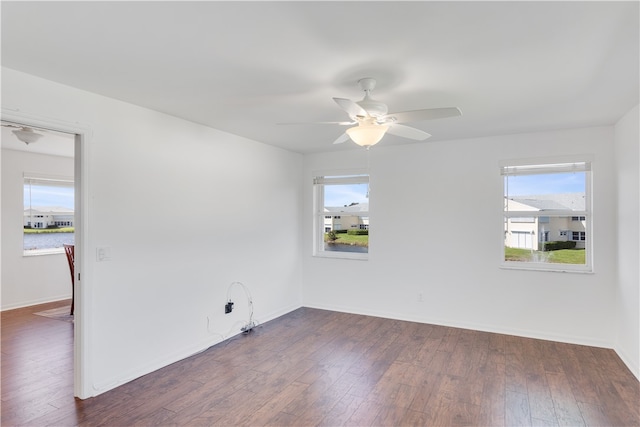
[(27, 135), (366, 135)]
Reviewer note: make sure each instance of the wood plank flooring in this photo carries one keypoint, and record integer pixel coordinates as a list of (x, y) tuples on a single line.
[(320, 368)]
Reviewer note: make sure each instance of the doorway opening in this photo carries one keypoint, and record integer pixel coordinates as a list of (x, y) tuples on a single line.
[(60, 143)]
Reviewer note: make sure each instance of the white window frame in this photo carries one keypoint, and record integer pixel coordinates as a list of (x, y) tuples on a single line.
[(581, 163), (320, 179)]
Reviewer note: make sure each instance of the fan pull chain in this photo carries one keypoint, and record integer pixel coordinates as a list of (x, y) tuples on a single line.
[(368, 171)]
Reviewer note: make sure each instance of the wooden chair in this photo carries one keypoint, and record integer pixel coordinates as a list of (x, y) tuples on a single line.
[(68, 249)]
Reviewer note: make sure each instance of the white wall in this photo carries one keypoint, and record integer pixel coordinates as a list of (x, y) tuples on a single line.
[(185, 210), (33, 279), (627, 153), (437, 229)]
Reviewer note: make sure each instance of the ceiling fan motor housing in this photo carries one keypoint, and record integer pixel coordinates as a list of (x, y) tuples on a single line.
[(372, 107)]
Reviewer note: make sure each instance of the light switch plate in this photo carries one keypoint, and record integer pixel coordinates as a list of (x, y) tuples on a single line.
[(103, 253)]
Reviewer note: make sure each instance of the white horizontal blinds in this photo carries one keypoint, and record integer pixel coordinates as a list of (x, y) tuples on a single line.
[(545, 169), (546, 201), (321, 181), (536, 214), (341, 204), (546, 207), (338, 180), (48, 181), (37, 184)]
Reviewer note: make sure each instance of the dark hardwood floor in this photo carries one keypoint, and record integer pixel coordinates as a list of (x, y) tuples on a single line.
[(314, 367)]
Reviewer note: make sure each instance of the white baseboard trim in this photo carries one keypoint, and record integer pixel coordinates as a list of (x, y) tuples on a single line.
[(181, 354), (278, 313), (632, 364), (37, 301), (497, 329)]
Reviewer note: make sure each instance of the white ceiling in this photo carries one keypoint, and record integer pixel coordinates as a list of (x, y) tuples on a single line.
[(243, 67)]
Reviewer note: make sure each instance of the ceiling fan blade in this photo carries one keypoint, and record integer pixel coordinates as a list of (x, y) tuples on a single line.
[(407, 132), (342, 138), (318, 123), (351, 107), (420, 115)]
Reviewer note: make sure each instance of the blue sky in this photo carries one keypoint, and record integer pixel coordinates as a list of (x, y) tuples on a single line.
[(552, 183), (340, 195), (522, 185), (49, 196)]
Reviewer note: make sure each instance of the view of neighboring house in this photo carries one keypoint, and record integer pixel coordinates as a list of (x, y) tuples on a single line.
[(46, 217), (346, 217), (531, 232)]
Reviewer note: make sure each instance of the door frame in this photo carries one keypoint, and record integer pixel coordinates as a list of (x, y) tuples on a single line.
[(82, 325)]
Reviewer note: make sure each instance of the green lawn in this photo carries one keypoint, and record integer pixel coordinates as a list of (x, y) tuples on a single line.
[(562, 256), (48, 230), (346, 239), (567, 256)]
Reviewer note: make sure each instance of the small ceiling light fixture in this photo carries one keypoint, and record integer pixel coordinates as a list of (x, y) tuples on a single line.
[(27, 135), (367, 134)]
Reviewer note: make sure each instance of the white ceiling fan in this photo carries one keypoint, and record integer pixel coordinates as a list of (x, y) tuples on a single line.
[(373, 120), (24, 133)]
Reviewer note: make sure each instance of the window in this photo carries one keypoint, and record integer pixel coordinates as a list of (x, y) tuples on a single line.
[(48, 217), (578, 235), (523, 219), (341, 224), (547, 215)]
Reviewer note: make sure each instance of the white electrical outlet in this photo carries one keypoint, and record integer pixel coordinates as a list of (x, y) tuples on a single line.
[(420, 297)]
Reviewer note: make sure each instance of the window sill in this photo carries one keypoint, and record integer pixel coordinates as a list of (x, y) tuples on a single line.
[(554, 268), (342, 255), (40, 252)]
